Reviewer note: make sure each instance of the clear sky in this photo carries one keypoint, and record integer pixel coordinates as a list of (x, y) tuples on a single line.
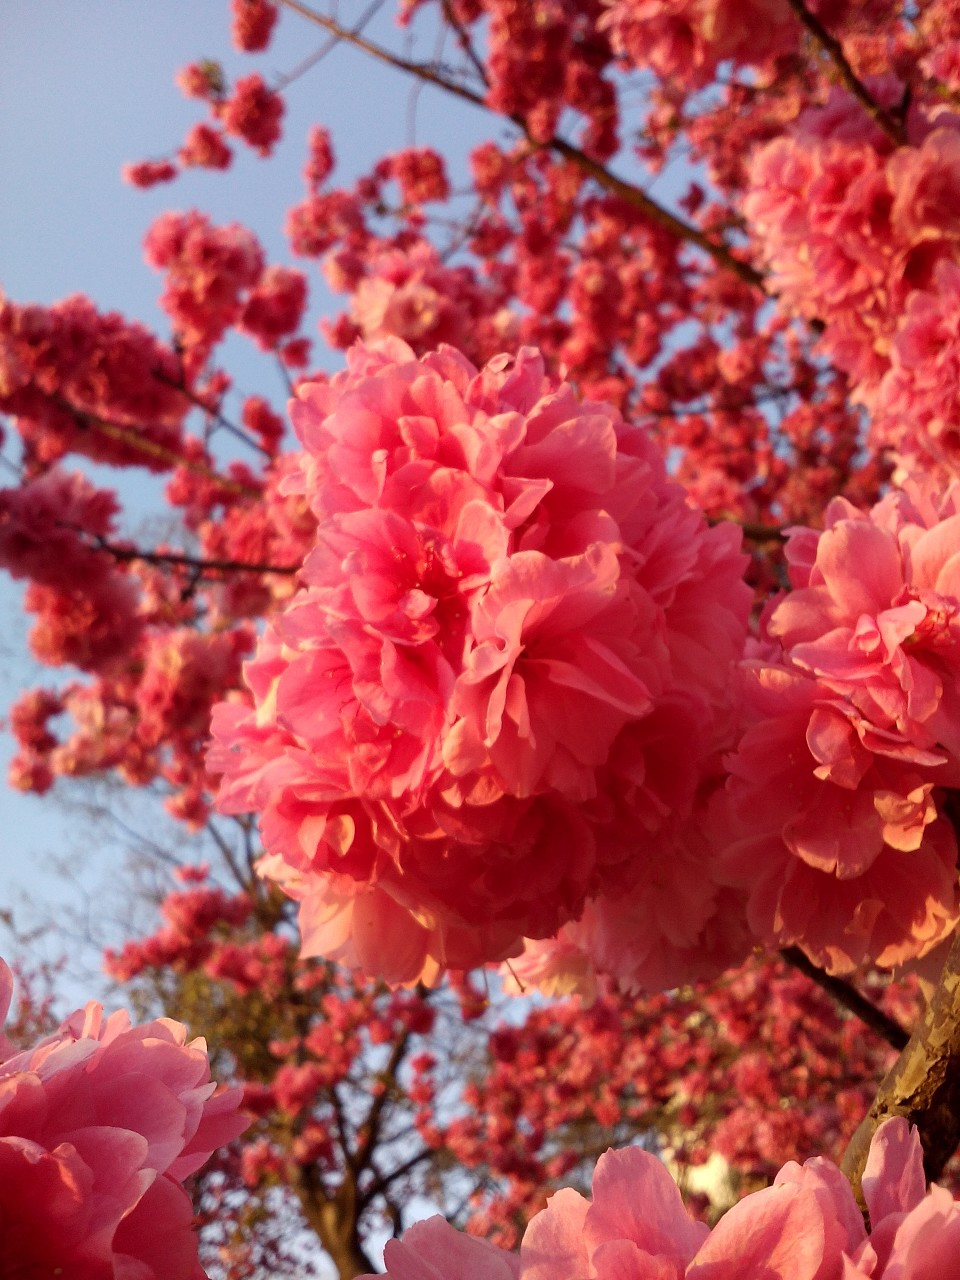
[(84, 87)]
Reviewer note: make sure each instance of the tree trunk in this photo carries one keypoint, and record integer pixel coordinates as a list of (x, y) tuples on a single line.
[(334, 1219)]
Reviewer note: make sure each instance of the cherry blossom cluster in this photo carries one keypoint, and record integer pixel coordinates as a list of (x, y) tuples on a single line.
[(545, 1096), (806, 1224), (216, 278), (252, 112), (100, 1123), (834, 817), (160, 647), (863, 235), (612, 307), (499, 706), (509, 652), (78, 380), (410, 294)]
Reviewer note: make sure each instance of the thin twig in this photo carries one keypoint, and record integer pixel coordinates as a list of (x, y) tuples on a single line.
[(217, 414), (848, 996), (176, 559), (327, 47), (382, 1181), (464, 41)]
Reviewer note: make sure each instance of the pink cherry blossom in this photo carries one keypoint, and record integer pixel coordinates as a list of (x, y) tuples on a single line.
[(99, 1125), (460, 718), (834, 806), (806, 1226), (433, 1250)]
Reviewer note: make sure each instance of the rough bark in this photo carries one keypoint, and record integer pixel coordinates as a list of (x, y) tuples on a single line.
[(335, 1221), (923, 1084)]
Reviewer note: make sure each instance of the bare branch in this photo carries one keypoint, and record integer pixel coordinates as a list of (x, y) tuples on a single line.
[(383, 1181), (464, 41), (176, 559), (134, 439), (371, 1122), (847, 995), (327, 47)]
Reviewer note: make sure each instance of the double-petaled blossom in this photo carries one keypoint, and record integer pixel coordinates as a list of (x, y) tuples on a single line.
[(833, 816), (99, 1125), (458, 723), (806, 1226)]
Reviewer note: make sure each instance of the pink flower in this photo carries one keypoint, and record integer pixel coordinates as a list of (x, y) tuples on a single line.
[(916, 406), (148, 173), (684, 40), (807, 1226), (252, 25), (433, 1250), (205, 148), (832, 818), (207, 268), (254, 113), (421, 175), (275, 307), (915, 1235), (99, 1124), (458, 719), (413, 295)]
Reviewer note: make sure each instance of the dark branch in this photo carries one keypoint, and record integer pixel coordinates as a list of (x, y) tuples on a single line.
[(464, 41), (371, 1122), (212, 411), (847, 995), (176, 559), (384, 1180), (327, 47), (756, 532)]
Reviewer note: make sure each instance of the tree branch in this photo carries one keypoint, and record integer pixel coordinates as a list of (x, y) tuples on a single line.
[(176, 559), (334, 1218), (847, 995), (371, 1122), (834, 51), (129, 436), (327, 47), (626, 191), (216, 414), (464, 41), (384, 1180), (757, 532), (923, 1084)]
